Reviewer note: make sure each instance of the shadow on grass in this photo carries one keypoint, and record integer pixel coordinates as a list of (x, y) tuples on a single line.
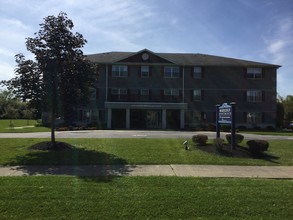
[(239, 152), (65, 159)]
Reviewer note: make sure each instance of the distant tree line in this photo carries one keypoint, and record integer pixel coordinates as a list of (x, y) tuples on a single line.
[(13, 108)]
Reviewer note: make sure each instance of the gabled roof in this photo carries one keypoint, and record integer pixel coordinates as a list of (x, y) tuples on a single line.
[(188, 59)]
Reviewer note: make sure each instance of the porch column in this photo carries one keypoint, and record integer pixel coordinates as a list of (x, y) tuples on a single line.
[(164, 122), (109, 120), (127, 118), (182, 119)]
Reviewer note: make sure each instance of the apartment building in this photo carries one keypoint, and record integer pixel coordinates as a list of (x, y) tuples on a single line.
[(149, 90)]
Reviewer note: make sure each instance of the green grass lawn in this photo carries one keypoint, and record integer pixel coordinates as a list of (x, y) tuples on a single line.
[(132, 151), (20, 126), (61, 197)]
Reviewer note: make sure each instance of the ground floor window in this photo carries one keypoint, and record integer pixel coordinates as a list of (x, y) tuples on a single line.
[(197, 95), (254, 117)]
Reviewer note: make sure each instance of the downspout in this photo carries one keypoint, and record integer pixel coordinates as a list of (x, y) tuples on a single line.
[(106, 82), (183, 89)]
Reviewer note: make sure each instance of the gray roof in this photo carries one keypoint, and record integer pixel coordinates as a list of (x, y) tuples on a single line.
[(188, 59)]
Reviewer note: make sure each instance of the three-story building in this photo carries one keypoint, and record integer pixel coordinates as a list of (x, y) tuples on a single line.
[(148, 90)]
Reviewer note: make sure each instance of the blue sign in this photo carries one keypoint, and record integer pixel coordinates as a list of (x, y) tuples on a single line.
[(225, 114)]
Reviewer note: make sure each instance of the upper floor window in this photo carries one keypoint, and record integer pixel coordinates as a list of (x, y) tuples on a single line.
[(119, 91), (144, 92), (171, 72), (171, 92), (119, 71), (197, 72), (254, 96), (92, 93), (144, 71), (197, 95), (254, 73)]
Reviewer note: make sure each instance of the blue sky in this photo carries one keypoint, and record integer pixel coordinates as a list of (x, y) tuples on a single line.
[(258, 30)]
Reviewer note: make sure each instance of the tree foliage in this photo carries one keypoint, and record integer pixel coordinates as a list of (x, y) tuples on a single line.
[(73, 75), (286, 108)]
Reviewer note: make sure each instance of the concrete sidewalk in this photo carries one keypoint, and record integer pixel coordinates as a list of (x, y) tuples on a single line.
[(274, 172)]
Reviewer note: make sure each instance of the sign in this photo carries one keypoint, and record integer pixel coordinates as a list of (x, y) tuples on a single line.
[(225, 114)]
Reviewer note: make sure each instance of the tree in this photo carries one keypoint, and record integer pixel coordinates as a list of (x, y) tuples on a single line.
[(68, 80), (5, 100), (10, 112), (287, 106), (280, 114), (28, 114), (28, 84)]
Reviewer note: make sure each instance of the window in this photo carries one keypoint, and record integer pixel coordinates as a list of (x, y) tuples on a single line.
[(197, 95), (254, 117), (196, 116), (144, 71), (171, 72), (144, 92), (254, 96), (197, 72), (92, 93), (119, 71), (254, 73), (171, 92), (119, 91)]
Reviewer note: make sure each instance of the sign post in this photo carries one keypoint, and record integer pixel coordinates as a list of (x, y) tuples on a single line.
[(225, 114)]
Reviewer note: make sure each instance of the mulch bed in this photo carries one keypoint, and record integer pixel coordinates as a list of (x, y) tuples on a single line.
[(49, 146), (239, 151)]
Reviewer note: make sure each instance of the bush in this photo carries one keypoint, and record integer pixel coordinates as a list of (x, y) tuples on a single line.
[(219, 143), (258, 145), (238, 138), (200, 139)]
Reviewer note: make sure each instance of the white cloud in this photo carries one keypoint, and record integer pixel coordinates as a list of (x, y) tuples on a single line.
[(5, 70), (279, 41)]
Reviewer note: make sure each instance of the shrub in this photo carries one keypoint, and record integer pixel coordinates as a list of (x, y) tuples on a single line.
[(238, 138), (258, 145), (200, 139), (219, 143)]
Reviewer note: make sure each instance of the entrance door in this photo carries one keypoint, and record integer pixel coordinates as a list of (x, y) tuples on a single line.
[(153, 119), (137, 119), (173, 119), (118, 118)]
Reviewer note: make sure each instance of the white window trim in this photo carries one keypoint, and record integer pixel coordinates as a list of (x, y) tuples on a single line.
[(144, 92), (119, 91), (141, 72), (171, 92), (254, 117), (195, 72), (92, 93), (254, 73), (195, 96), (172, 72), (120, 72), (254, 96)]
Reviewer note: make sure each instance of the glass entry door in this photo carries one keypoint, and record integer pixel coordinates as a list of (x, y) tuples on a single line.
[(153, 119)]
